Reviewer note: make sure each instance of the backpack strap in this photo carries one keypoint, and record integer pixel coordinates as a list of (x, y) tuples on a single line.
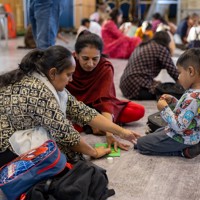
[(47, 185), (108, 193)]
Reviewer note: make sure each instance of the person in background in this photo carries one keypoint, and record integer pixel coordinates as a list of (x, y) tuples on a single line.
[(103, 10), (157, 20), (35, 106), (29, 39), (116, 44), (95, 27), (132, 29), (102, 13), (30, 42), (146, 62), (93, 84), (181, 135), (172, 45), (129, 28), (90, 25), (85, 24), (183, 28), (194, 34), (62, 36), (44, 17), (145, 31)]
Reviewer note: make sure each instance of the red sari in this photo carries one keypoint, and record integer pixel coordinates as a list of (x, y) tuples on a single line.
[(116, 44), (96, 88)]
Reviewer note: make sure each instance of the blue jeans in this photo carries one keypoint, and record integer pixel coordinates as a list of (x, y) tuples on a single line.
[(44, 17), (158, 143)]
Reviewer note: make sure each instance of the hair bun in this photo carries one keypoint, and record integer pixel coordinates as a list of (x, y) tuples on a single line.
[(40, 54), (24, 68)]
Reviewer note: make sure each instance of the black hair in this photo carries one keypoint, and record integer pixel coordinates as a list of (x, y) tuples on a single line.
[(161, 37), (40, 61), (88, 39), (159, 17), (115, 13), (84, 21), (156, 16), (149, 26), (135, 21), (194, 15), (190, 57)]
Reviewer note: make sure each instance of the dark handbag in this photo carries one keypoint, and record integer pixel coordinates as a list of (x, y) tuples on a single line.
[(155, 122), (85, 181), (173, 89)]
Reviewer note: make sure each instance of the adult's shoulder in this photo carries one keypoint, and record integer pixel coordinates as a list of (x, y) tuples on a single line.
[(28, 81), (160, 47), (104, 62), (34, 84)]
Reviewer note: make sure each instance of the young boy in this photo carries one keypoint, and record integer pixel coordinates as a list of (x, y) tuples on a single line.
[(182, 135)]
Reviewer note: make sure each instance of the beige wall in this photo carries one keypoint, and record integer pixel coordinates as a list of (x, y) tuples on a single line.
[(83, 9), (17, 8), (191, 4), (189, 7)]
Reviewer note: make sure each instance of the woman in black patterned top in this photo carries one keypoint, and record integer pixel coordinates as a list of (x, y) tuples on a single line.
[(34, 97), (146, 62)]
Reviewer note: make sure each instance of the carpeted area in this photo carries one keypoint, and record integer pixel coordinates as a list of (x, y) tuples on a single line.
[(133, 176), (139, 177)]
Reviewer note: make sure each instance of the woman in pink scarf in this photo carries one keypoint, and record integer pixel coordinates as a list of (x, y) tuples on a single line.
[(116, 44)]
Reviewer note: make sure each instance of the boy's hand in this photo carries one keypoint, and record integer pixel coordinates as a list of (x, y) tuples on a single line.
[(161, 104), (168, 98)]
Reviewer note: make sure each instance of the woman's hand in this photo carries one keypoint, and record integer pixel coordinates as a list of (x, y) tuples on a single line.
[(111, 140), (130, 135), (107, 125), (161, 104), (101, 151)]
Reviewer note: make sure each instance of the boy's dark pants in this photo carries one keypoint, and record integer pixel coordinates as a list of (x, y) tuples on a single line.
[(158, 143)]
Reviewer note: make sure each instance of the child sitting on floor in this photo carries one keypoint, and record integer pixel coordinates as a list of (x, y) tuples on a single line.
[(181, 136)]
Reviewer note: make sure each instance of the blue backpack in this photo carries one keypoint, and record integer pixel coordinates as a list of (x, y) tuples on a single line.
[(30, 168)]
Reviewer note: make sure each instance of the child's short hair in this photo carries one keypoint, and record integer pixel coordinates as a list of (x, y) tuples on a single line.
[(190, 57), (84, 21)]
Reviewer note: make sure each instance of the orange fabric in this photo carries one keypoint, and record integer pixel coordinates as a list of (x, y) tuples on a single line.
[(11, 21), (139, 32), (149, 33)]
